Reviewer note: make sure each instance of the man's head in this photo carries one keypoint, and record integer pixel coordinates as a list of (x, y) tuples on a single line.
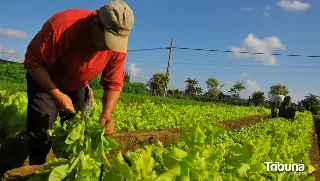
[(112, 26)]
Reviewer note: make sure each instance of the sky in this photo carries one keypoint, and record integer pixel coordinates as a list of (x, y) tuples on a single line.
[(267, 26)]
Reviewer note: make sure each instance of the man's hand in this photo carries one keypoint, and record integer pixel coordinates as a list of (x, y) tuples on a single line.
[(63, 102), (42, 77), (110, 124)]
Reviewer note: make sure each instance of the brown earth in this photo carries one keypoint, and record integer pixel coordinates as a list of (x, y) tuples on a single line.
[(127, 141), (235, 124), (21, 174)]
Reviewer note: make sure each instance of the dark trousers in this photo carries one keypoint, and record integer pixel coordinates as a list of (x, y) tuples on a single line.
[(274, 109), (287, 113), (41, 116)]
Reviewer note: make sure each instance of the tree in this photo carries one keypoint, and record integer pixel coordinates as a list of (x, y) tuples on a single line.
[(127, 77), (175, 93), (278, 89), (235, 90), (198, 91), (258, 98), (311, 103), (157, 84), (300, 106), (213, 88), (191, 89), (135, 88)]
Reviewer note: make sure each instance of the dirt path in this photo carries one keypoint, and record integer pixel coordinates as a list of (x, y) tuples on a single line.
[(127, 141)]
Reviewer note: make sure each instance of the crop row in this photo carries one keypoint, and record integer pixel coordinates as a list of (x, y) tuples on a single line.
[(207, 153), (148, 115)]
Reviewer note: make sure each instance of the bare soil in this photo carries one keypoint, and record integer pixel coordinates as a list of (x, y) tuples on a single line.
[(137, 139), (127, 141), (22, 173), (12, 154), (248, 121)]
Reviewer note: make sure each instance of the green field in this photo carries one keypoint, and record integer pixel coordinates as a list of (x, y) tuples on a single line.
[(207, 150)]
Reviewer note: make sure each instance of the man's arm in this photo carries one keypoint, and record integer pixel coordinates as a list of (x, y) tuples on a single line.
[(42, 77), (112, 82), (40, 54), (109, 100)]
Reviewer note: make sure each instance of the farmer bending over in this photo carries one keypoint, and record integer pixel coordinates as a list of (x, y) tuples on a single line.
[(73, 47), (275, 102)]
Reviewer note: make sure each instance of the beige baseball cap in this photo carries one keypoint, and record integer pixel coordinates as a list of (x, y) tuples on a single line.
[(118, 20)]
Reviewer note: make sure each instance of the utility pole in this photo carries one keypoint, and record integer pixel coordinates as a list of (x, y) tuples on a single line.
[(168, 70)]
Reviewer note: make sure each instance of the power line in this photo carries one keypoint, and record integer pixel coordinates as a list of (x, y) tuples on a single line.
[(245, 52), (225, 65), (149, 49), (216, 60), (210, 50)]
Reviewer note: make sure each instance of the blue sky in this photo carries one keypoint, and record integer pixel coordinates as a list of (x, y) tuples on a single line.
[(271, 26)]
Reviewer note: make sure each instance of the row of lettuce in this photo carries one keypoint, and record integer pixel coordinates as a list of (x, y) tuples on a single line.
[(149, 115), (206, 152)]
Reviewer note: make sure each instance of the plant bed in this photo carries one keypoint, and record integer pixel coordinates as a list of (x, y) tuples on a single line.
[(126, 141)]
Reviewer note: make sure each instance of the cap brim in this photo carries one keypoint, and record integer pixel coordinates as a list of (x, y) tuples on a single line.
[(116, 43)]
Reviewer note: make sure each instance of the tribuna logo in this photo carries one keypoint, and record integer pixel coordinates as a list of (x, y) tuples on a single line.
[(284, 167)]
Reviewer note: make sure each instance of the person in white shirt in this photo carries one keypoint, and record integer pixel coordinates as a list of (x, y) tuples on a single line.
[(275, 102)]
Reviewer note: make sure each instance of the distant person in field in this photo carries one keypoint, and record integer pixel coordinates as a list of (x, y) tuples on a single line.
[(275, 102), (73, 47), (286, 110)]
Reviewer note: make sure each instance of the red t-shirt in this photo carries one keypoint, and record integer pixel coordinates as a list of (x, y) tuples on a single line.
[(63, 47)]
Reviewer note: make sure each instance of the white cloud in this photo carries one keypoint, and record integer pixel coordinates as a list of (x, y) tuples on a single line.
[(247, 9), (239, 55), (10, 55), (11, 33), (227, 86), (266, 14), (266, 45), (140, 78), (250, 87), (133, 70), (266, 11), (296, 95), (293, 5)]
